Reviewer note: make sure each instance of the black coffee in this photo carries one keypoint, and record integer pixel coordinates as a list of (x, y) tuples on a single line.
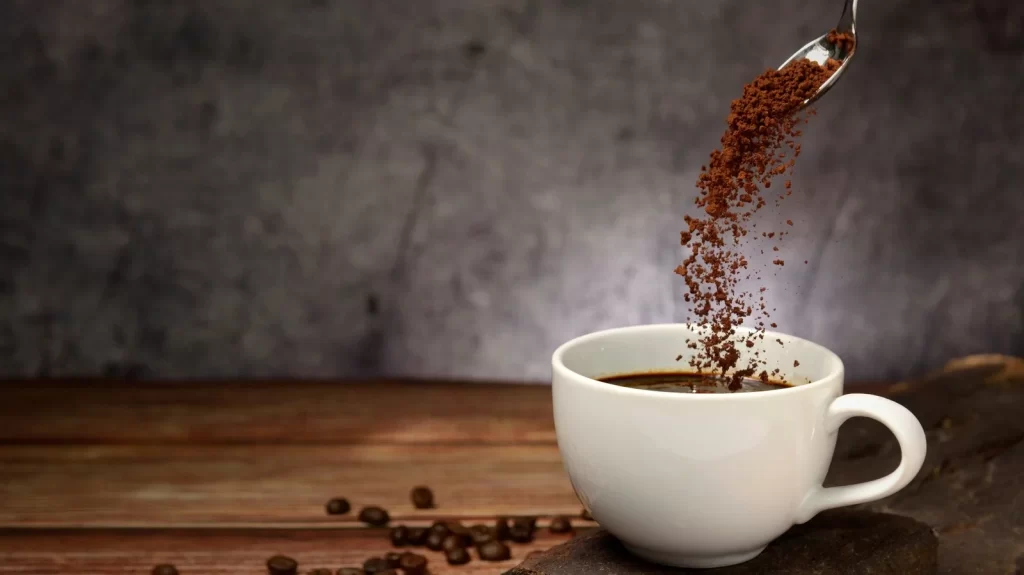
[(685, 382)]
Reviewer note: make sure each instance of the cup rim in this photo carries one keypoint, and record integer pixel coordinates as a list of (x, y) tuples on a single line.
[(559, 367)]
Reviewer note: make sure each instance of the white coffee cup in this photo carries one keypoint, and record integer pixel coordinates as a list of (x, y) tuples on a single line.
[(709, 480)]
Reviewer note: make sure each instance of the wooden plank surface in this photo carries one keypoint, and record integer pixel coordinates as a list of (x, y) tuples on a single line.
[(119, 485), (212, 552), (275, 412), (111, 478)]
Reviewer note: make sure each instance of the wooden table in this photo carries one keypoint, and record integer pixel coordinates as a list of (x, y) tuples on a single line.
[(105, 478), (215, 477)]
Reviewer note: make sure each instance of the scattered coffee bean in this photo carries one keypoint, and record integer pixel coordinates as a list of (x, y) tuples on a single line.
[(338, 506), (374, 516), (392, 558), (527, 522), (165, 569), (281, 565), (350, 571), (399, 535), (422, 497), (417, 535), (320, 571), (457, 556), (520, 533), (435, 541), (586, 515), (494, 551), (463, 532), (440, 527), (481, 534), (560, 524), (453, 541), (501, 532), (375, 565), (413, 564)]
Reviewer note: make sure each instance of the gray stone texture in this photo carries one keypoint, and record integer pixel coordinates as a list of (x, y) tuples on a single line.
[(318, 188)]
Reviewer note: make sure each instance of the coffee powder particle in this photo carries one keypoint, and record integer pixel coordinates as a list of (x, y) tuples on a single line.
[(796, 363), (842, 40)]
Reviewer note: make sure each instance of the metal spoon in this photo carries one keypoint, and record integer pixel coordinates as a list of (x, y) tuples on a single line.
[(820, 50)]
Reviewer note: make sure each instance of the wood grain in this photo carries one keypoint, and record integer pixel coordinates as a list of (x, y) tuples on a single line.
[(177, 485), (275, 412), (212, 552), (100, 478)]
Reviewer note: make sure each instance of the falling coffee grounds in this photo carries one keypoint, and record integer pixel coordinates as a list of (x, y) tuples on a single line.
[(758, 145)]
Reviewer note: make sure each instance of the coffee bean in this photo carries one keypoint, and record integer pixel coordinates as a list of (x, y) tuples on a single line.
[(481, 534), (586, 515), (374, 516), (440, 527), (413, 564), (435, 540), (320, 571), (281, 565), (560, 524), (494, 551), (417, 535), (422, 497), (457, 556), (375, 565), (501, 532), (350, 571), (338, 506), (462, 532), (165, 569), (399, 535), (527, 522), (520, 533), (392, 558), (453, 541)]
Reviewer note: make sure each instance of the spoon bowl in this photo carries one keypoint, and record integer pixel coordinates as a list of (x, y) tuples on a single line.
[(839, 45)]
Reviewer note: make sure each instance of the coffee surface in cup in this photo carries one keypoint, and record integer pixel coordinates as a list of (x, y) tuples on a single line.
[(689, 382)]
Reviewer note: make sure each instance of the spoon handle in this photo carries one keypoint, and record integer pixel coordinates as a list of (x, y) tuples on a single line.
[(848, 20)]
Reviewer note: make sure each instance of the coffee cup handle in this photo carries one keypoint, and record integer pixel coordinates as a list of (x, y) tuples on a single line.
[(900, 422)]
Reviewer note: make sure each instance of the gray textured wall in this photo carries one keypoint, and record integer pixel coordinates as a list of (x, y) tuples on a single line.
[(453, 187)]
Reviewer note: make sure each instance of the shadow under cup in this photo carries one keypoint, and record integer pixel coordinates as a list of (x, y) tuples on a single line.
[(693, 480)]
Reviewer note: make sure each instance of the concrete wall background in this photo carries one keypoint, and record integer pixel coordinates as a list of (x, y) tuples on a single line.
[(323, 188)]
